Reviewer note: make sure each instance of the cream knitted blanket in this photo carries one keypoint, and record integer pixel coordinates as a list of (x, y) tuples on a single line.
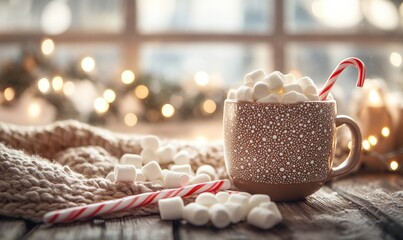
[(64, 164)]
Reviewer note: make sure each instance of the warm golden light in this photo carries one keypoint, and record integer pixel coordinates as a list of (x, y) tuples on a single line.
[(372, 140), (385, 131), (130, 119), (127, 77), (141, 92), (350, 145), (43, 85), (366, 145), (68, 88), (395, 59), (167, 110), (109, 95), (394, 165), (34, 110), (9, 94), (101, 105), (201, 78), (57, 83), (47, 46), (209, 106), (88, 64), (374, 98)]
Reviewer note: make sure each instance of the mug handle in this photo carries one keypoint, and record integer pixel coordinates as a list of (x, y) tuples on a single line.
[(355, 153)]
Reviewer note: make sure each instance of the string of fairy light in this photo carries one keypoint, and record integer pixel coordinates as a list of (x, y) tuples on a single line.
[(57, 84)]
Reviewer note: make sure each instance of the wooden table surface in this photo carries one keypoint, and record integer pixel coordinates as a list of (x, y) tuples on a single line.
[(364, 206)]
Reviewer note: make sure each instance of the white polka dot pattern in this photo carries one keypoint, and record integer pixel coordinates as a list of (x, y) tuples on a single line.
[(279, 143)]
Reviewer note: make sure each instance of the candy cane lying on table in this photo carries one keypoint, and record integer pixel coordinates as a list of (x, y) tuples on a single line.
[(352, 61), (121, 204)]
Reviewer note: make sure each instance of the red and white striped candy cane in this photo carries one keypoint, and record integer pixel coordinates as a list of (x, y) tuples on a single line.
[(352, 61), (121, 204)]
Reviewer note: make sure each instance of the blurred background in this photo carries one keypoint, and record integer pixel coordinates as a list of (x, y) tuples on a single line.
[(164, 67)]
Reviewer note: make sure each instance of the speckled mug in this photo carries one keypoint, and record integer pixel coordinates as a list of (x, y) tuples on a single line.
[(284, 150)]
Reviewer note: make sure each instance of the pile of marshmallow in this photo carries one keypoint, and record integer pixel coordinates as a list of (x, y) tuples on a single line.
[(275, 88), (222, 209), (146, 166)]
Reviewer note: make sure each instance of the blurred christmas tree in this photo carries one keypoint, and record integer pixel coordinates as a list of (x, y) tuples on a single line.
[(76, 93)]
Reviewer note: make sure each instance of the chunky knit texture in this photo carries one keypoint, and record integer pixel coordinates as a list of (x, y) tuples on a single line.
[(63, 165)]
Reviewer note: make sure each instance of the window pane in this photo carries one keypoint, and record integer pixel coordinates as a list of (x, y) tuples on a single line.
[(319, 60), (55, 17), (225, 64), (343, 16), (225, 16)]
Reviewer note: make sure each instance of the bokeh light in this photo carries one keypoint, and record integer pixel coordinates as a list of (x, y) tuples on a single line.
[(127, 76), (395, 59), (101, 105), (372, 140), (141, 92), (88, 64), (168, 110), (57, 83), (68, 88), (130, 119), (47, 46), (394, 165), (202, 78), (43, 85), (209, 106), (385, 131), (34, 110), (9, 94), (109, 95)]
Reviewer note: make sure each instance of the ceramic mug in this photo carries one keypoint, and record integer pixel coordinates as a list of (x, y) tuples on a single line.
[(285, 150)]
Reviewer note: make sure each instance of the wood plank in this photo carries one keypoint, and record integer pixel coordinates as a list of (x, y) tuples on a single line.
[(322, 215), (12, 228), (150, 227), (380, 195)]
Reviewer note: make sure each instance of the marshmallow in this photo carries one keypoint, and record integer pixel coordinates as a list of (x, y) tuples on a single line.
[(219, 216), (289, 78), (312, 97), (275, 81), (201, 178), (171, 208), (246, 194), (256, 199), (182, 157), (111, 176), (184, 168), (150, 142), (272, 98), (158, 182), (262, 218), (251, 78), (131, 159), (231, 94), (241, 200), (140, 176), (166, 153), (209, 170), (196, 214), (244, 93), (260, 90), (308, 86), (329, 97), (164, 172), (234, 210), (222, 197), (294, 97), (206, 199), (175, 179), (148, 155), (152, 170), (272, 207), (125, 173), (292, 87)]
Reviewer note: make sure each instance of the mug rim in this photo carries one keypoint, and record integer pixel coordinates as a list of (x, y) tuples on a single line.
[(282, 104)]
